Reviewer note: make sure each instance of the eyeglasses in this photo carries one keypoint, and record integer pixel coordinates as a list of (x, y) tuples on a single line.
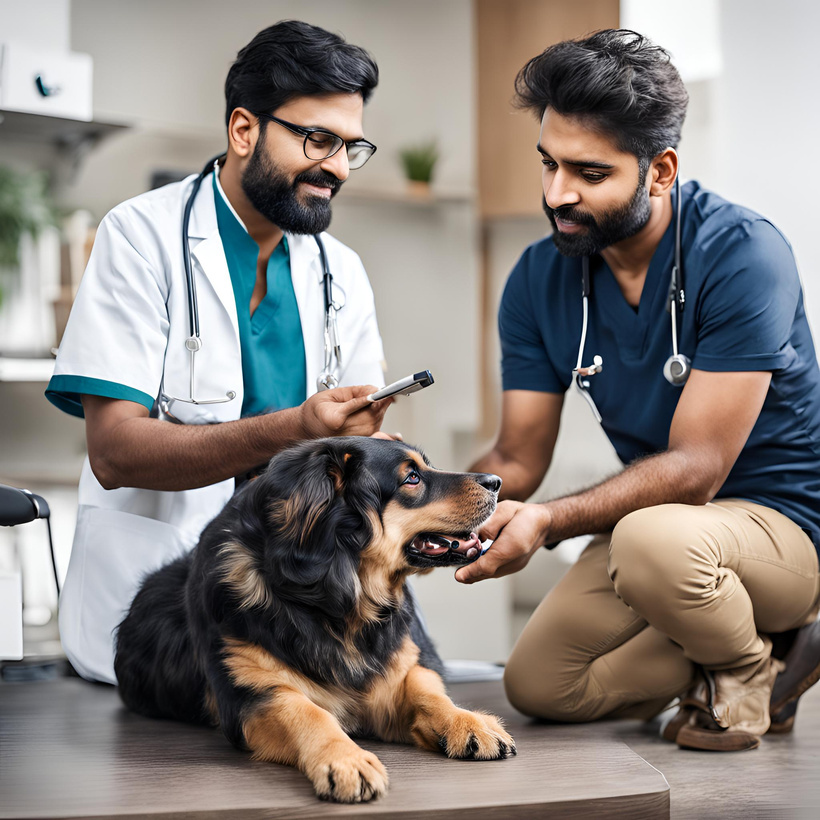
[(320, 144)]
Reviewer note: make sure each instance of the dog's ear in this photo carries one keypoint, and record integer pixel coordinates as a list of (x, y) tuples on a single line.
[(311, 498), (304, 482)]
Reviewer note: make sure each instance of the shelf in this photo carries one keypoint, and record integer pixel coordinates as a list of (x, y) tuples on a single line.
[(402, 196), (60, 131), (25, 369)]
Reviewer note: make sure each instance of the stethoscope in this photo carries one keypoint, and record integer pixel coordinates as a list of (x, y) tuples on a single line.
[(677, 367), (328, 378)]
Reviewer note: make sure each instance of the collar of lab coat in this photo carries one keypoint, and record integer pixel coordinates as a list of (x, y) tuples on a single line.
[(203, 226), (206, 246)]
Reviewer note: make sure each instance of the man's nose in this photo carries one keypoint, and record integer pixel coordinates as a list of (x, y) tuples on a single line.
[(559, 192), (338, 164)]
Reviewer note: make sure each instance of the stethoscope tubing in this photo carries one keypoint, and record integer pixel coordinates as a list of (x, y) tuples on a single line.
[(194, 341), (675, 304)]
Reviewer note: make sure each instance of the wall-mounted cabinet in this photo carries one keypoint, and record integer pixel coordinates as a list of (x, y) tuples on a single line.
[(508, 35)]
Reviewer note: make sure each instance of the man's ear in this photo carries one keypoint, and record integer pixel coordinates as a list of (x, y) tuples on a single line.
[(243, 132), (662, 172)]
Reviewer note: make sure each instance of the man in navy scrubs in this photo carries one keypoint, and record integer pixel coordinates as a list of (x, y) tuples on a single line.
[(706, 544)]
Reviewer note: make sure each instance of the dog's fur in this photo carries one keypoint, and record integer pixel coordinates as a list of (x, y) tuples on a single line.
[(290, 626)]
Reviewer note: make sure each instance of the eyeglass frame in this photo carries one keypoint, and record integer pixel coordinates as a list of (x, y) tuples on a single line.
[(302, 131)]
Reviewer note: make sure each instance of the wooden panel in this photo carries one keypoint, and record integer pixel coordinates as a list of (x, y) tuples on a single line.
[(70, 749), (510, 32)]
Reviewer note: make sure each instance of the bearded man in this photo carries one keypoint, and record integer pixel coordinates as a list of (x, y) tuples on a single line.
[(679, 316), (206, 326)]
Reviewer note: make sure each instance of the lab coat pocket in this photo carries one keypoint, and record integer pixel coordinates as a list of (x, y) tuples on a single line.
[(113, 553)]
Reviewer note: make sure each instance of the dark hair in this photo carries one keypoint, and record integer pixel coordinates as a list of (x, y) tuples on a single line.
[(294, 59), (618, 80)]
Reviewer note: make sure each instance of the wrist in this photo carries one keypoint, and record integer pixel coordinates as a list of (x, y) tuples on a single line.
[(304, 422), (545, 524)]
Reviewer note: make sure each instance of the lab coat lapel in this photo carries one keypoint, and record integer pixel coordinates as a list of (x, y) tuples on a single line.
[(206, 248), (306, 274)]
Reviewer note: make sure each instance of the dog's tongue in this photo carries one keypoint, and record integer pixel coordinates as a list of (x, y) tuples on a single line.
[(434, 544)]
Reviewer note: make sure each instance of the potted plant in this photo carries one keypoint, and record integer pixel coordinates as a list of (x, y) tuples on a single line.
[(25, 208), (419, 162)]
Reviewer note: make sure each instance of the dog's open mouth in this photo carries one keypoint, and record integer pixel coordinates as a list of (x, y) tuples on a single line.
[(446, 549)]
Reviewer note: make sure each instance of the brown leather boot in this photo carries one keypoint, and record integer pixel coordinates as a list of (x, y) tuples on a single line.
[(695, 699), (802, 671), (737, 711)]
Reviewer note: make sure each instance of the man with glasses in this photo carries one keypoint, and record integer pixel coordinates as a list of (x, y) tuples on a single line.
[(703, 567), (165, 445)]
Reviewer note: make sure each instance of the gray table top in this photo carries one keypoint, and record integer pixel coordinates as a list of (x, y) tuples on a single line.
[(69, 749)]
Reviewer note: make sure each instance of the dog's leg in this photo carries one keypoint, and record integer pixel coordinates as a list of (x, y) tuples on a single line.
[(287, 727), (436, 723)]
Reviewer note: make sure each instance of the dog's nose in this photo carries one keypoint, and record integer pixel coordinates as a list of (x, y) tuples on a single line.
[(490, 481)]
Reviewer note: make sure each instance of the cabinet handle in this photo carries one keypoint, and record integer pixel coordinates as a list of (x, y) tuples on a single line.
[(46, 90)]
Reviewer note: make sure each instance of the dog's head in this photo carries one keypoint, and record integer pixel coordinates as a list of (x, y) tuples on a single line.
[(360, 512)]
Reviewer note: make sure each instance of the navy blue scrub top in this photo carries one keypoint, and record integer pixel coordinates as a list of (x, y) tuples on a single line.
[(744, 312)]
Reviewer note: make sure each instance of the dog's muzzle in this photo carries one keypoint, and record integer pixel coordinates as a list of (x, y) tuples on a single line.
[(451, 549)]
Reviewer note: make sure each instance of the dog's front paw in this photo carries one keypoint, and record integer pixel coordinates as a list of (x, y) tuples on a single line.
[(347, 775), (471, 736)]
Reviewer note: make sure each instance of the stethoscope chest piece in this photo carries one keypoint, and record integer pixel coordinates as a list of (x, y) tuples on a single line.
[(676, 370)]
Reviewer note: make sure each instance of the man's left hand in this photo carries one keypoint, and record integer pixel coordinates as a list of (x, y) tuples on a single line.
[(517, 531)]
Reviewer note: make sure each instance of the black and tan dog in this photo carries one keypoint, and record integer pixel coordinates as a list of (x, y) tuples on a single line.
[(290, 626)]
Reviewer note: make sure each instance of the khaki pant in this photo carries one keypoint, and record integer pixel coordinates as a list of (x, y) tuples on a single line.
[(670, 587)]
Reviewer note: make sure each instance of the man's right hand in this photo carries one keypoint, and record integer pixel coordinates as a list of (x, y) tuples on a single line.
[(517, 530), (343, 411)]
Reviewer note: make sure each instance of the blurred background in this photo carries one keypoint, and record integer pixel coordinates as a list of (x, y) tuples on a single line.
[(143, 103)]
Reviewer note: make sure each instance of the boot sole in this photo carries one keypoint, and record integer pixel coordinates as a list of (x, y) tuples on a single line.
[(671, 730), (710, 740)]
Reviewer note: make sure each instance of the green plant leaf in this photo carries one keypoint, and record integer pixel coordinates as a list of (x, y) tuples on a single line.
[(25, 207), (419, 161)]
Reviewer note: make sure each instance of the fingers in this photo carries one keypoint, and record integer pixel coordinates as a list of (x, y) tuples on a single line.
[(517, 530), (479, 570), (387, 436), (498, 520)]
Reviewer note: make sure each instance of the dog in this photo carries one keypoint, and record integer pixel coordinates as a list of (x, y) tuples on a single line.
[(291, 628)]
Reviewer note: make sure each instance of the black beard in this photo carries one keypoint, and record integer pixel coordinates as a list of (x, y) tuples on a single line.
[(611, 227), (274, 195)]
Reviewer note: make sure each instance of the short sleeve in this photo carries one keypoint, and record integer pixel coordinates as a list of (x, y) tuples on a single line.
[(749, 301), (114, 342), (525, 364)]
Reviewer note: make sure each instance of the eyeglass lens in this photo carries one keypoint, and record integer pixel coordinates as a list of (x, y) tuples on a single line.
[(320, 145)]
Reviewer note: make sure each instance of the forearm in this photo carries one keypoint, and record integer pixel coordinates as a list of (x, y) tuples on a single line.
[(669, 477), (158, 455), (519, 481)]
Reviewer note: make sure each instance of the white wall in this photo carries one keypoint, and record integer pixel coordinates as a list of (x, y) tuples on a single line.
[(47, 27), (768, 122), (162, 66)]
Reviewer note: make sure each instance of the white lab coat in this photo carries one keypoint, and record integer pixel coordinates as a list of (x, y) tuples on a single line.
[(128, 325)]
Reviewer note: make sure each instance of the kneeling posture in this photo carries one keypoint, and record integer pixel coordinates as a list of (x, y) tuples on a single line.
[(290, 626)]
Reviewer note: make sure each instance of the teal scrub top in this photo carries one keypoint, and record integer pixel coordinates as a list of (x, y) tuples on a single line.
[(273, 351)]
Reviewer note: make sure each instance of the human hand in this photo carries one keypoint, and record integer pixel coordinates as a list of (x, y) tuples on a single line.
[(517, 531), (343, 411)]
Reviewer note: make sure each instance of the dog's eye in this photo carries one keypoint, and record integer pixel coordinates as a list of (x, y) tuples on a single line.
[(412, 478)]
